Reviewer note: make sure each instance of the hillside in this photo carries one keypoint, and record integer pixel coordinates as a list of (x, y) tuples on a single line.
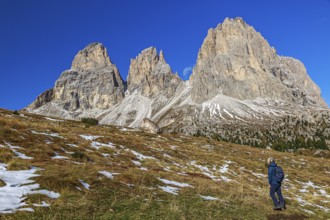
[(60, 169)]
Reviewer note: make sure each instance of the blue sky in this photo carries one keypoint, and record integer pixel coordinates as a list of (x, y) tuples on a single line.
[(39, 39)]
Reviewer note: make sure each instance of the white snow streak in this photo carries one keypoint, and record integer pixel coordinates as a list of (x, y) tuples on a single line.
[(140, 156), (170, 189), (108, 174), (89, 137), (210, 198), (174, 183), (85, 185), (47, 134)]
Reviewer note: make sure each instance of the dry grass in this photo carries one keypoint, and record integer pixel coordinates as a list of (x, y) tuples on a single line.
[(134, 193)]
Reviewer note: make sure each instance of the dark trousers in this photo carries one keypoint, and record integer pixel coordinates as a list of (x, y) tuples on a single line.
[(276, 188)]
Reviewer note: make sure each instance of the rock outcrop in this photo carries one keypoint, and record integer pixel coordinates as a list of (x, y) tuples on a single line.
[(149, 126), (151, 75), (237, 61), (43, 99)]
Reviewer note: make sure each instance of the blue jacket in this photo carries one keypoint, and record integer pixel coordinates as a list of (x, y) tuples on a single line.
[(271, 174)]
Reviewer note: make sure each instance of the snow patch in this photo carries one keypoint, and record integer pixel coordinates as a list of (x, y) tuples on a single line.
[(18, 154), (226, 179), (305, 203), (224, 169), (57, 156), (141, 156), (47, 134), (43, 204), (210, 198), (18, 185), (308, 211), (205, 170), (108, 174), (324, 193), (85, 185), (89, 137), (174, 183), (50, 194), (22, 156), (170, 189), (137, 163), (26, 209), (97, 145)]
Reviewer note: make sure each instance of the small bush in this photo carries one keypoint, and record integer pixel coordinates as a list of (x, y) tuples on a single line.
[(81, 156), (90, 121), (15, 112)]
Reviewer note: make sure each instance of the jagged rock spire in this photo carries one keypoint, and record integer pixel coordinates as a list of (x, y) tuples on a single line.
[(150, 74), (93, 56)]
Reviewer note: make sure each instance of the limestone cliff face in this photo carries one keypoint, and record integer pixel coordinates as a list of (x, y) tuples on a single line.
[(236, 61), (93, 82), (94, 56), (294, 76), (43, 99), (152, 90), (151, 75)]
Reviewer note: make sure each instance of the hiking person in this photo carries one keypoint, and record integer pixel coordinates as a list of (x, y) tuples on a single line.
[(275, 178)]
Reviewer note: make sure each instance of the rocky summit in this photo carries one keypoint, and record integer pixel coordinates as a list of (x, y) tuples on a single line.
[(92, 82), (240, 91), (236, 61), (151, 75)]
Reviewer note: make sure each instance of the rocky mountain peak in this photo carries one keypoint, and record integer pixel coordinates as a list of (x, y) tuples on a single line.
[(151, 75), (236, 61), (161, 57), (93, 56), (232, 24), (92, 83)]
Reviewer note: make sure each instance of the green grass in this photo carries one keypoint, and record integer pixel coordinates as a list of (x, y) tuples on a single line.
[(135, 193)]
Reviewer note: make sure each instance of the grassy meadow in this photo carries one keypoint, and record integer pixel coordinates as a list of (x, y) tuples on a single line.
[(108, 172)]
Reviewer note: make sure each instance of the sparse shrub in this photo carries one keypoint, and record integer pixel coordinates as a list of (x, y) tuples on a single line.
[(90, 121), (81, 156), (15, 112)]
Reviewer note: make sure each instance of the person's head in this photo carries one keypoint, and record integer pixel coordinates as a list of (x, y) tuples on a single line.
[(270, 160)]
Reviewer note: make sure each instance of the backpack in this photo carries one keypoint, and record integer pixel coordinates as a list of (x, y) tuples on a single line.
[(279, 174)]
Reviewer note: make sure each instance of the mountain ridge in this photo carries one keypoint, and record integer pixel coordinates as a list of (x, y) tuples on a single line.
[(238, 79)]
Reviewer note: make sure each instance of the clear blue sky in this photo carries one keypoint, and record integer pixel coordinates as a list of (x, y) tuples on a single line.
[(39, 38)]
